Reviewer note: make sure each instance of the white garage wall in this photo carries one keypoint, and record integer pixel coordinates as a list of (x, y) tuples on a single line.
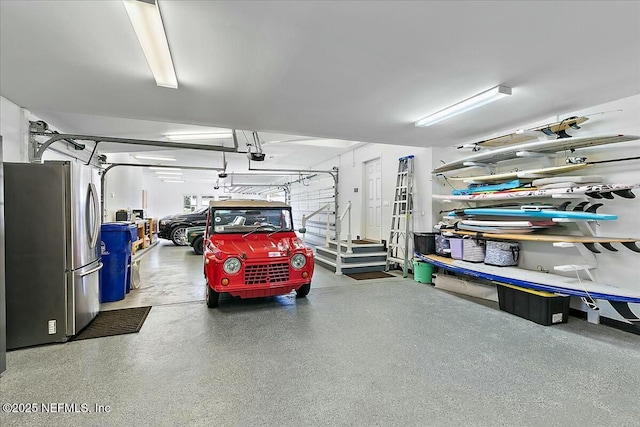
[(13, 128), (123, 186), (351, 176)]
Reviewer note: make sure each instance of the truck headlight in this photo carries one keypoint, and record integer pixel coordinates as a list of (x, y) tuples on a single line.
[(231, 265), (298, 261)]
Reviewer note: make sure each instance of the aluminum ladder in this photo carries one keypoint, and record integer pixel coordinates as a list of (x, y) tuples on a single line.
[(401, 219)]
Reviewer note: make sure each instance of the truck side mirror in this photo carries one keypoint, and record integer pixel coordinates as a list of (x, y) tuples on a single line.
[(302, 230)]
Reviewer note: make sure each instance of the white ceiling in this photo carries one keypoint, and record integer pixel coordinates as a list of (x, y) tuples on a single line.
[(361, 71)]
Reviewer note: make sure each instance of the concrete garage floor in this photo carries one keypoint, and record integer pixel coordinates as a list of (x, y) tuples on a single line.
[(378, 352)]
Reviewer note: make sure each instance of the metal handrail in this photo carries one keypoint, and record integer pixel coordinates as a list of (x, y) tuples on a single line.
[(349, 242)]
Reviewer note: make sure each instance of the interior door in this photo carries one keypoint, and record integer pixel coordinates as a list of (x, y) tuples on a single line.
[(373, 199)]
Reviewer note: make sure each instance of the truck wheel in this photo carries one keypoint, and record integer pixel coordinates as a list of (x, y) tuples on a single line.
[(179, 236), (198, 245), (303, 290), (212, 297)]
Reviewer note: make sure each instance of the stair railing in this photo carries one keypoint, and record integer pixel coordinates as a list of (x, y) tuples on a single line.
[(349, 242)]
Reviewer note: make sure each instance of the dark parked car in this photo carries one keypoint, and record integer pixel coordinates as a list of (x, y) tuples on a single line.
[(174, 227), (195, 235)]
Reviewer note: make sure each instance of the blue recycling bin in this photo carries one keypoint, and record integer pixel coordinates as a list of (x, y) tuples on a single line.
[(116, 258)]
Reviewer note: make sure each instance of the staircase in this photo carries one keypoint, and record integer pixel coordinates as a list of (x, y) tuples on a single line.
[(366, 257)]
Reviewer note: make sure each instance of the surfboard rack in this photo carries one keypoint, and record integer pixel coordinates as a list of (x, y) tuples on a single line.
[(577, 267), (546, 158), (489, 167)]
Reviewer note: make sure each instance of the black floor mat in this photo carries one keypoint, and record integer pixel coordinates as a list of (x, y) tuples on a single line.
[(114, 322), (370, 275)]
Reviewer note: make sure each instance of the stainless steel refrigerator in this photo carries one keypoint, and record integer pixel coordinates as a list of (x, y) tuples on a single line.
[(52, 231), (3, 318)]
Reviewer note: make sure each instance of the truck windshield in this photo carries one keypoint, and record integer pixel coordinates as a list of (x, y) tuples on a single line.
[(241, 220)]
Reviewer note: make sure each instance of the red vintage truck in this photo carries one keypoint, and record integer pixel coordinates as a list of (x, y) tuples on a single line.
[(251, 250)]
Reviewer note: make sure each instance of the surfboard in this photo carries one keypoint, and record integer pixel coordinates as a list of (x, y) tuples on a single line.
[(488, 229), (510, 152), (491, 223), (473, 188), (536, 280), (578, 179), (588, 241), (543, 213), (550, 129), (594, 191), (523, 174)]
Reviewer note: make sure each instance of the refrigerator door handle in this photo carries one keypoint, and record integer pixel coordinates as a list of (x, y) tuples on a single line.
[(96, 215), (93, 270)]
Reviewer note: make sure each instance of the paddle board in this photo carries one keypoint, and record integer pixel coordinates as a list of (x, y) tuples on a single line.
[(578, 179), (490, 223), (550, 146), (474, 188), (536, 280), (524, 174), (550, 129), (594, 191), (588, 241), (485, 229), (544, 213)]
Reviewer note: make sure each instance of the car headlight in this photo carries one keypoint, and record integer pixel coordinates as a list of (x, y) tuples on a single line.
[(165, 221), (298, 261), (231, 265)]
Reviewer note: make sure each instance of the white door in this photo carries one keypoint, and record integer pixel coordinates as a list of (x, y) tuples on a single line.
[(373, 199)]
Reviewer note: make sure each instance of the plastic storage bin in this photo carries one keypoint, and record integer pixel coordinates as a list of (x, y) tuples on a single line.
[(115, 254), (540, 307), (424, 243), (422, 272)]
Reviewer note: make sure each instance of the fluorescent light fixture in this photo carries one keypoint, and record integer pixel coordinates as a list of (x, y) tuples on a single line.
[(198, 136), (476, 101), (176, 181), (147, 23), (167, 159), (164, 169), (168, 173)]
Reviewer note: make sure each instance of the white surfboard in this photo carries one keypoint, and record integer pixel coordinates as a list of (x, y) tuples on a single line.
[(550, 146), (490, 223), (560, 179), (524, 174)]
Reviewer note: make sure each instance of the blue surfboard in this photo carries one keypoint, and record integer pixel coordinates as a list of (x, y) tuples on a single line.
[(543, 213)]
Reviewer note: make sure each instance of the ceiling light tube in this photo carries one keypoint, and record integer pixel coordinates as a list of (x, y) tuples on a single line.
[(176, 181), (168, 173), (198, 136), (147, 23), (476, 101), (164, 169), (167, 159)]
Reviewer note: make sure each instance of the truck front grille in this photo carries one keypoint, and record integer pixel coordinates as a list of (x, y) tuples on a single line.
[(266, 273)]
